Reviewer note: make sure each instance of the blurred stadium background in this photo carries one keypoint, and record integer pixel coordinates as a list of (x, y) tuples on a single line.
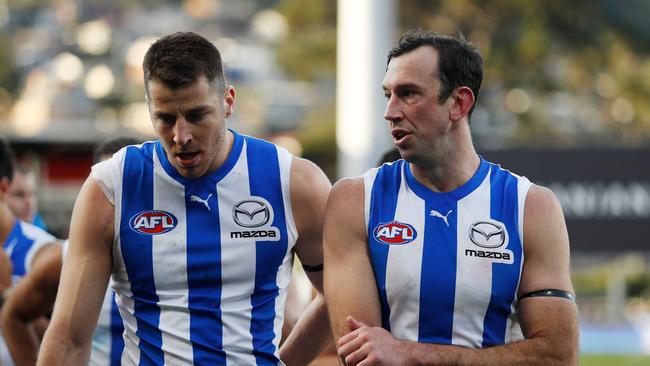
[(564, 101)]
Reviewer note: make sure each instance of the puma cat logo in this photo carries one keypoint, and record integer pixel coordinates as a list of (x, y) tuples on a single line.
[(435, 213), (194, 198)]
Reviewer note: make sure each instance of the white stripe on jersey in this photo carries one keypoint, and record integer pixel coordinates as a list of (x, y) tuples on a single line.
[(474, 275), (235, 295), (100, 354), (404, 263), (169, 250)]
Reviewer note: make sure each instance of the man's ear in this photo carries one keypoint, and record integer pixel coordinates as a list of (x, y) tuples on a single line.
[(463, 100), (229, 101), (4, 186)]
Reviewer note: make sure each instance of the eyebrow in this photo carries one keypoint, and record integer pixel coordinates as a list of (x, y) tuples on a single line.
[(198, 109), (162, 114), (402, 86)]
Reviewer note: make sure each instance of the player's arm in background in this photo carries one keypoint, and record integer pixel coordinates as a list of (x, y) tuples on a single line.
[(83, 280), (549, 324), (6, 268), (309, 190), (31, 299)]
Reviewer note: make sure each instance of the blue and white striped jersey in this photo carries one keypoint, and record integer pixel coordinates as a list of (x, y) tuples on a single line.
[(21, 245), (447, 265), (107, 342), (201, 266), (23, 242), (108, 345)]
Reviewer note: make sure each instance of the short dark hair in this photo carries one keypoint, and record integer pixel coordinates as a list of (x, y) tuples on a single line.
[(459, 62), (111, 146), (180, 59), (6, 160)]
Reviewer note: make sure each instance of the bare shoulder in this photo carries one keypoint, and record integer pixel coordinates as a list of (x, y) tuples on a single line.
[(348, 190), (305, 175), (543, 217), (345, 213), (541, 201), (546, 243), (309, 185)]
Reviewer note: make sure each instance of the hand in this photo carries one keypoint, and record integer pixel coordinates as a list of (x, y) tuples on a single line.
[(366, 346)]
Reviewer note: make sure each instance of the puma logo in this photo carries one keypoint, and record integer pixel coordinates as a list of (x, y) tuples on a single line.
[(194, 198), (435, 213)]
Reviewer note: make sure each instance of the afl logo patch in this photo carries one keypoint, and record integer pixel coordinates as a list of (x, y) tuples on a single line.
[(153, 222), (395, 233)]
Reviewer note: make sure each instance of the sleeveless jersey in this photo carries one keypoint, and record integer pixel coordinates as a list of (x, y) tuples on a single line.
[(23, 242), (108, 345), (201, 266), (107, 342), (447, 265)]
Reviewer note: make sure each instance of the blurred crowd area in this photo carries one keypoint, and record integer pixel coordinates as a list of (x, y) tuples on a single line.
[(558, 76)]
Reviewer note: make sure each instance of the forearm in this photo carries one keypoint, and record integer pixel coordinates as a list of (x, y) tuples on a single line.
[(309, 336), (536, 351), (59, 349), (20, 338)]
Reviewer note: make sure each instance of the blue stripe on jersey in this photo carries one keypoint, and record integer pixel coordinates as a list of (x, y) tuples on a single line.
[(204, 275), (383, 203), (117, 328), (503, 208), (19, 247), (264, 172), (438, 276), (439, 256), (137, 195)]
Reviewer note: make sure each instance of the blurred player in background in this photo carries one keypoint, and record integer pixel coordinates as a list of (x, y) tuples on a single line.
[(23, 242), (22, 198), (34, 298)]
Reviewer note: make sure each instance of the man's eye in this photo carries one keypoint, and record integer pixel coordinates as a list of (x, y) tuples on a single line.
[(168, 120), (194, 117)]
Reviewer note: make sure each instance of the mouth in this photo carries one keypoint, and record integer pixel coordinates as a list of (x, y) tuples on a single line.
[(187, 159), (399, 135)]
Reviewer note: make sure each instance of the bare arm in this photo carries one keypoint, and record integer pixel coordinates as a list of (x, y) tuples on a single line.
[(32, 299), (309, 190), (5, 274), (549, 323), (350, 287), (84, 279)]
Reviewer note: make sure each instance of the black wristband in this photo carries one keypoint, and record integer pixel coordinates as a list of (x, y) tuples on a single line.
[(549, 292), (316, 268)]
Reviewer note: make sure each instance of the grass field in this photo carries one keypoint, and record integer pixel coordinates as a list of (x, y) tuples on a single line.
[(614, 360)]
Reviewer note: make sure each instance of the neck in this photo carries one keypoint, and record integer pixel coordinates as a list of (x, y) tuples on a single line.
[(452, 166)]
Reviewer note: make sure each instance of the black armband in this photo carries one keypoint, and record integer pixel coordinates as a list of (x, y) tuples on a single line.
[(316, 268), (549, 292)]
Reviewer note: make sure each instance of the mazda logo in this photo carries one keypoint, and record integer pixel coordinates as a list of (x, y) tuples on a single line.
[(487, 234), (251, 213)]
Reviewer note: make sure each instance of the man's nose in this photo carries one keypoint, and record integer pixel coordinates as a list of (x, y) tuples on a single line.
[(182, 132), (393, 110)]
